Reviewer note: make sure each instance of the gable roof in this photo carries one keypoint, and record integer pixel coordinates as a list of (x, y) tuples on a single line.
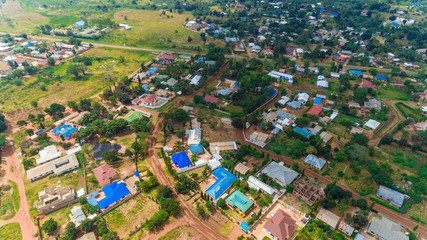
[(239, 200), (100, 148), (181, 159), (150, 98), (281, 173), (367, 84), (381, 77), (104, 174), (315, 109), (386, 229), (303, 132), (315, 161), (391, 195), (48, 153), (281, 225), (196, 148)]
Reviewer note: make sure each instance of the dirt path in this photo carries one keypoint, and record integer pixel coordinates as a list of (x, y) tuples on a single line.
[(395, 122), (11, 165)]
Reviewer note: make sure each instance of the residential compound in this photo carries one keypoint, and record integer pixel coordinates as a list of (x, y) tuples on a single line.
[(58, 166), (54, 198)]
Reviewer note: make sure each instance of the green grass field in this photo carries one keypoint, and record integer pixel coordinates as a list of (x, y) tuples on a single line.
[(11, 231), (10, 202), (391, 93)]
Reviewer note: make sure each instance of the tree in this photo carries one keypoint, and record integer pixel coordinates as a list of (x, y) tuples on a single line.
[(290, 188), (112, 100), (237, 122), (34, 104), (342, 207), (87, 225), (203, 37), (163, 192), (21, 123), (85, 104), (360, 221), (70, 231), (76, 69), (189, 39), (302, 121), (387, 139), (171, 206), (110, 236), (55, 110), (110, 156), (51, 61), (178, 146), (3, 140), (50, 226), (202, 212), (221, 203)]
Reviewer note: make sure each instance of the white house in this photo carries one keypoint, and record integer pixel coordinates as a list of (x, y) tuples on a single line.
[(322, 84), (303, 97)]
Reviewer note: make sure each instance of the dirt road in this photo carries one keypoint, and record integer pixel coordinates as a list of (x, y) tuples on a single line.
[(209, 228), (11, 165)]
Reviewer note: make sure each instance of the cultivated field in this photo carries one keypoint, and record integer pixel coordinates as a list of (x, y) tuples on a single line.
[(11, 231)]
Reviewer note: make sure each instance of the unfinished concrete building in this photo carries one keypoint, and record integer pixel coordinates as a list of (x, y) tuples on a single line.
[(308, 192), (54, 198)]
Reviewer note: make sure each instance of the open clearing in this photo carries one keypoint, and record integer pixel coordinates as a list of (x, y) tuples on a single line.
[(9, 201), (10, 231), (131, 215), (184, 232), (15, 19)]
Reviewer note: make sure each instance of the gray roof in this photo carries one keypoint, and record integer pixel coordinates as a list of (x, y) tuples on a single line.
[(283, 114), (225, 92), (360, 237), (78, 214), (386, 229), (315, 161), (281, 173), (171, 82), (294, 104)]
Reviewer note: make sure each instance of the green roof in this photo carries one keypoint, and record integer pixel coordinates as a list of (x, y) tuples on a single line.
[(239, 200), (133, 115)]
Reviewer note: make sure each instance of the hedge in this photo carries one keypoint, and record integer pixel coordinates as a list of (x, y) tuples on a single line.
[(385, 204)]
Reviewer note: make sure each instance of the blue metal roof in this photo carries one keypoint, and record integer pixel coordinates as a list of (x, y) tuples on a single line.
[(391, 195), (355, 72), (393, 24), (92, 201), (244, 226), (381, 77), (225, 179), (196, 148), (39, 131), (79, 23), (113, 192), (303, 132), (136, 173), (317, 101), (65, 130), (334, 13), (181, 159)]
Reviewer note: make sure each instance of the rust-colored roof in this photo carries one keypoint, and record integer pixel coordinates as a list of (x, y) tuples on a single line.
[(104, 174), (211, 99), (315, 110), (150, 98), (367, 84), (281, 225)]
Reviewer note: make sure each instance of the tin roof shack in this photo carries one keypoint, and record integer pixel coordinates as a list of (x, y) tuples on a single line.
[(328, 217), (54, 198), (394, 197)]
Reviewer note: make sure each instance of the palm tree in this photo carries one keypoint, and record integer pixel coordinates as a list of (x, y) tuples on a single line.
[(178, 147)]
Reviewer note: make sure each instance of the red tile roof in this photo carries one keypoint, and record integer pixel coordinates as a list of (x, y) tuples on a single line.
[(104, 174), (367, 84), (150, 98), (315, 110), (281, 225), (168, 57), (340, 58), (211, 99)]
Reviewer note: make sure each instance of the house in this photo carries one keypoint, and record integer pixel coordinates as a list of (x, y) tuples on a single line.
[(421, 126), (365, 12), (58, 166), (268, 52), (47, 154), (340, 59), (88, 236), (392, 196), (386, 229), (54, 198), (100, 148), (77, 215), (223, 146), (171, 82), (79, 24), (194, 136), (240, 201), (356, 73), (256, 48), (283, 100), (314, 70), (290, 51), (315, 161), (181, 160), (136, 101), (373, 103), (224, 179), (322, 84), (326, 137), (195, 80), (211, 99), (104, 174), (167, 57), (270, 117), (227, 122), (372, 124), (367, 84), (114, 192), (280, 225), (196, 149), (281, 76), (381, 77), (360, 237), (303, 97), (294, 104), (150, 100), (231, 39), (308, 192), (125, 26), (257, 184), (346, 228), (225, 92), (335, 75), (303, 132), (258, 138), (315, 110), (242, 169), (328, 217), (280, 173), (300, 51)]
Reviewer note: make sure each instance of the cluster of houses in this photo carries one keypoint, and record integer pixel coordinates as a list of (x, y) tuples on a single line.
[(82, 30)]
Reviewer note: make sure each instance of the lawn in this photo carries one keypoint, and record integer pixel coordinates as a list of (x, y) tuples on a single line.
[(11, 231), (9, 202), (226, 229), (131, 215), (391, 93)]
